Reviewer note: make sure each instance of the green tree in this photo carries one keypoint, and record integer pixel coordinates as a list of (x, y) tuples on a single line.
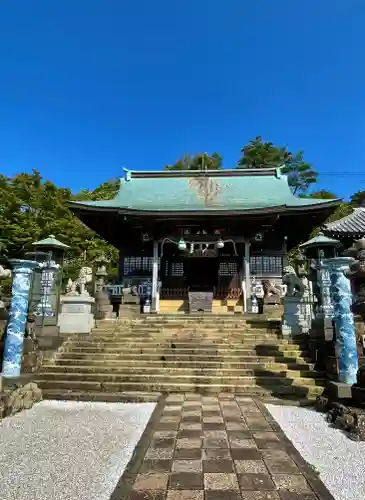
[(323, 194), (358, 199), (199, 161), (260, 154)]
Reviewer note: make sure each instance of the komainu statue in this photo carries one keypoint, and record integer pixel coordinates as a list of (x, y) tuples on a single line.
[(295, 286), (272, 292)]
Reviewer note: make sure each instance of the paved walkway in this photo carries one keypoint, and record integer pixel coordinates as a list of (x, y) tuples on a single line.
[(210, 448)]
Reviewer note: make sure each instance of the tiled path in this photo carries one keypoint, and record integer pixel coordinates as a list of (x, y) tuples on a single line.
[(209, 448)]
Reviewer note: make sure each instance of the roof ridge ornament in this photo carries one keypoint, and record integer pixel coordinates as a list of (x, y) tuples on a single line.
[(127, 174)]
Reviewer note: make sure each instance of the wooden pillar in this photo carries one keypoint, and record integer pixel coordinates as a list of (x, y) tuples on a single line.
[(247, 275), (155, 291), (121, 266)]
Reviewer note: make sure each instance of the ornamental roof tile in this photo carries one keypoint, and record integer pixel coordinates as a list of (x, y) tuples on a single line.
[(352, 224)]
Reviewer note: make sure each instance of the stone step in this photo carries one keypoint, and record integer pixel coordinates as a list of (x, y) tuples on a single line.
[(157, 369), (107, 397), (174, 379), (183, 346), (184, 332), (110, 364), (292, 351), (183, 339), (147, 386), (183, 357)]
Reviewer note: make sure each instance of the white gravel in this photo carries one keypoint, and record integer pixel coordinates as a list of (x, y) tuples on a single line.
[(340, 461), (68, 450)]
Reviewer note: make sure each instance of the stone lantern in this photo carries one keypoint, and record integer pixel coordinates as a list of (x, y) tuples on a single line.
[(321, 340), (318, 250), (45, 295), (103, 307)]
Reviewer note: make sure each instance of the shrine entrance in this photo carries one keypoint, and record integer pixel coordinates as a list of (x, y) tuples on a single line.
[(201, 274)]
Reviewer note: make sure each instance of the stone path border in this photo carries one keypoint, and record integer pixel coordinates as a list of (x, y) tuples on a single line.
[(227, 447)]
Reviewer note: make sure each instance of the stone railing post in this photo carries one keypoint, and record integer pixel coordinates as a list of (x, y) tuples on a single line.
[(14, 340), (344, 321)]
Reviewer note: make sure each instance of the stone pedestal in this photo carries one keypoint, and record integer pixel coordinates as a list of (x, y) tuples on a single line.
[(103, 307), (296, 319), (76, 315)]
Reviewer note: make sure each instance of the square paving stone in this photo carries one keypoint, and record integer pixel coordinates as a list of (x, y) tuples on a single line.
[(188, 454), (242, 443), (245, 454), (236, 426), (172, 408), (210, 407), (218, 434), (187, 466), (259, 424), (147, 495), (290, 482), (289, 495), (189, 443), (185, 495), (163, 443), (242, 434), (172, 398), (170, 419), (151, 481), (159, 453), (213, 426), (187, 433), (215, 443), (250, 467), (193, 419), (191, 413), (260, 495), (220, 481), (213, 420), (211, 413), (191, 426), (222, 495), (167, 426), (164, 435), (192, 405), (279, 462), (218, 466), (268, 436), (255, 482), (264, 444), (156, 465), (217, 454), (193, 397), (186, 481)]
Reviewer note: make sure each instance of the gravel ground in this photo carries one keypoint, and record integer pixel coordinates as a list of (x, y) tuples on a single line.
[(68, 450), (340, 461)]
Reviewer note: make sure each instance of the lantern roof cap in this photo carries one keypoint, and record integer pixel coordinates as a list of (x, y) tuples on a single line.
[(51, 242), (320, 240)]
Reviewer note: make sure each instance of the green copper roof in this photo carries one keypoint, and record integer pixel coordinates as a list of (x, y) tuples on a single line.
[(319, 241), (218, 190), (50, 242)]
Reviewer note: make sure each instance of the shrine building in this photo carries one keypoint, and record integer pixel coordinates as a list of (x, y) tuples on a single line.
[(204, 231)]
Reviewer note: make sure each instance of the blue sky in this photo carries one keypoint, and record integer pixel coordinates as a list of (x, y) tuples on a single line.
[(90, 86)]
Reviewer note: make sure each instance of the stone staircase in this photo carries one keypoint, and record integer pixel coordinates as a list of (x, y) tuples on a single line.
[(207, 354)]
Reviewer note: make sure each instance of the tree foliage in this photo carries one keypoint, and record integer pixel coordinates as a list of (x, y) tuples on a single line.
[(358, 199), (199, 161), (260, 154), (32, 208)]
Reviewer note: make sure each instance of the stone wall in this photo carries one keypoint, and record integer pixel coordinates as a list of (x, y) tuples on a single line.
[(17, 397)]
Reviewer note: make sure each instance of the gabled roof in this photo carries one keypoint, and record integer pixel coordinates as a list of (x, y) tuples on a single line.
[(236, 190), (351, 225)]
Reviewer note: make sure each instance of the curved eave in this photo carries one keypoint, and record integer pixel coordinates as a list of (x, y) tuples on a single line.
[(77, 207)]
